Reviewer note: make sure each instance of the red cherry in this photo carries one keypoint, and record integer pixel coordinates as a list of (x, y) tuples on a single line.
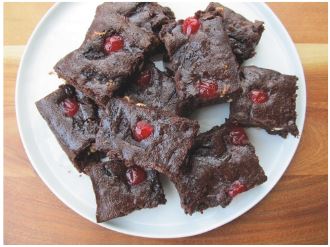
[(208, 90), (258, 96), (236, 188), (142, 130), (113, 44), (190, 25), (135, 175), (144, 79), (238, 136), (70, 107)]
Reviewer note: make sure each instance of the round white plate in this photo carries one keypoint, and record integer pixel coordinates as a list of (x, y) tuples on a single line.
[(61, 31)]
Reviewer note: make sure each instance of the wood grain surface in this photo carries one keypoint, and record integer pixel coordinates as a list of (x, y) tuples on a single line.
[(294, 212)]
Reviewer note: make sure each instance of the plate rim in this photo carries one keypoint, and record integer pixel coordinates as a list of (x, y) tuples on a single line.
[(296, 58)]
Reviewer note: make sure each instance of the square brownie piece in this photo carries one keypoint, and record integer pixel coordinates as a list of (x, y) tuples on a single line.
[(243, 34), (199, 52), (110, 54), (73, 119), (150, 16), (221, 165), (119, 190), (268, 101), (156, 89), (145, 136)]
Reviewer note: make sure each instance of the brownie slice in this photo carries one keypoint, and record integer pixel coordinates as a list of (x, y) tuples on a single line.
[(150, 16), (268, 101), (73, 119), (117, 195), (222, 164), (156, 89), (243, 34), (145, 136), (205, 67), (112, 53)]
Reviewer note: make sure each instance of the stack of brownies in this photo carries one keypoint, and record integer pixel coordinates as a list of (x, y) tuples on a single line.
[(122, 121)]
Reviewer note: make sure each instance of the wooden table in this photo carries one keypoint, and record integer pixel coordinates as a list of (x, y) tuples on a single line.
[(295, 211)]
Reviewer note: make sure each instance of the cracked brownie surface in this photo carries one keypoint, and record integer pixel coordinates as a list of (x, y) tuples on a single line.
[(243, 34), (110, 54), (221, 165), (155, 88), (268, 101), (150, 16), (205, 67), (73, 119), (145, 136), (117, 194)]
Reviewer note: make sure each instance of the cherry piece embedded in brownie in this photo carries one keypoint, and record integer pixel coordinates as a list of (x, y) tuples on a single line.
[(218, 170), (73, 119), (243, 34), (155, 88), (145, 136), (205, 67), (268, 101), (112, 53), (150, 16), (115, 193)]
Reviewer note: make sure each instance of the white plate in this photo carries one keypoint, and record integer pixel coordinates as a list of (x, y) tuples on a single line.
[(61, 31)]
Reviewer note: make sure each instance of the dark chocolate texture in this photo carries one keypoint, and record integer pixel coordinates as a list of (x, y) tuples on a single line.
[(278, 114), (115, 196), (164, 150), (202, 58), (215, 165), (155, 88), (243, 34), (75, 134), (150, 16), (97, 73)]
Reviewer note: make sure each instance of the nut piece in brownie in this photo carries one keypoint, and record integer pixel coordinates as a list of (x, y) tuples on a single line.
[(155, 88), (150, 16), (268, 101), (205, 67), (222, 164), (145, 136), (108, 56), (243, 34), (73, 119), (119, 190)]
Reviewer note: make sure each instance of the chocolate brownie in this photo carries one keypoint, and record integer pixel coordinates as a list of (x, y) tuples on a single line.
[(145, 136), (150, 16), (155, 88), (107, 58), (268, 101), (199, 51), (243, 34), (222, 164), (73, 119), (120, 190)]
